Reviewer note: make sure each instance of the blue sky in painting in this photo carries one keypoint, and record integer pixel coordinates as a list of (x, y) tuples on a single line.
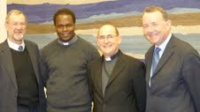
[(44, 12)]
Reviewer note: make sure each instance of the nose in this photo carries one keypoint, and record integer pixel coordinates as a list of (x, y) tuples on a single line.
[(105, 40), (65, 28), (19, 26), (149, 31)]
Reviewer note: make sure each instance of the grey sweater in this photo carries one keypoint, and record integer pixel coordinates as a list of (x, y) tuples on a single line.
[(64, 72)]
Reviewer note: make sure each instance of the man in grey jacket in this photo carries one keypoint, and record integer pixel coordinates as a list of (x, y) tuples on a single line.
[(21, 87)]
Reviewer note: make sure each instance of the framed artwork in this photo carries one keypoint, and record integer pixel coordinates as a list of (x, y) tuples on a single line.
[(125, 14)]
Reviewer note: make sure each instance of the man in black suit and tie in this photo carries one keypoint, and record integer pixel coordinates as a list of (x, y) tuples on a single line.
[(173, 67), (20, 84), (117, 80)]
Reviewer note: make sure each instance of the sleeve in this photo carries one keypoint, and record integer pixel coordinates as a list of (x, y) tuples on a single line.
[(44, 68), (191, 74), (94, 54), (140, 87), (90, 81)]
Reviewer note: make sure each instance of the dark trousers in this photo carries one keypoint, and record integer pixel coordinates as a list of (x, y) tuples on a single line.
[(25, 108)]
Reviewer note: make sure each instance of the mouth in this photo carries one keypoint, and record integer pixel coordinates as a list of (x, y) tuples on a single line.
[(65, 33), (19, 35), (19, 32), (152, 34), (107, 46)]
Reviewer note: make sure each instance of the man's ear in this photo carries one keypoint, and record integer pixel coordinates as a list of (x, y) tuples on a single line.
[(169, 24), (119, 39)]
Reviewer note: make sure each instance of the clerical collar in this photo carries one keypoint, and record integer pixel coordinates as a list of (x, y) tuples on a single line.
[(112, 57), (73, 40), (15, 46)]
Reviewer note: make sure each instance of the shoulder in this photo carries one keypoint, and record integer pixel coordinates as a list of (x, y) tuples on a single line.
[(130, 59), (80, 39), (84, 43), (95, 62), (183, 47), (3, 44), (131, 62), (30, 43), (49, 47), (86, 46)]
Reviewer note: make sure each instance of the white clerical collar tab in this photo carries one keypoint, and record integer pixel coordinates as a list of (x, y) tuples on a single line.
[(108, 58), (65, 43), (112, 57)]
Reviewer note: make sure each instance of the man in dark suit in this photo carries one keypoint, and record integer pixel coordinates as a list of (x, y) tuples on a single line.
[(20, 84), (117, 80), (173, 67)]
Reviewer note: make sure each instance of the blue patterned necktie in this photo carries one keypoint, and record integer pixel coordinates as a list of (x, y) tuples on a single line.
[(20, 48), (156, 58), (155, 61)]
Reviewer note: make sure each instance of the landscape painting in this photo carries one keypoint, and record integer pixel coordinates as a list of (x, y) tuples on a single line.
[(125, 14)]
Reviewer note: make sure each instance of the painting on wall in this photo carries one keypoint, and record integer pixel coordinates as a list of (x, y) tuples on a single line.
[(125, 14)]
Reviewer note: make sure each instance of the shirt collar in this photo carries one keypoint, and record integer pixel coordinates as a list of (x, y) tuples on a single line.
[(112, 57), (15, 46), (73, 40), (164, 44)]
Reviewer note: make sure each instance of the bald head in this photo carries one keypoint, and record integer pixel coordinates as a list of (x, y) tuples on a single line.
[(106, 29), (108, 40)]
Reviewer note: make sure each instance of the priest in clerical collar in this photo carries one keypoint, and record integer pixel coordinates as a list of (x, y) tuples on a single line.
[(116, 80)]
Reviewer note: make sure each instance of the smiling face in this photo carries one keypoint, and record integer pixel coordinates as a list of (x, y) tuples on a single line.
[(65, 27), (156, 28), (16, 27), (108, 40)]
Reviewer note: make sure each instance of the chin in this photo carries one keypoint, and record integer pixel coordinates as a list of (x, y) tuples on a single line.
[(64, 39), (19, 38), (107, 53)]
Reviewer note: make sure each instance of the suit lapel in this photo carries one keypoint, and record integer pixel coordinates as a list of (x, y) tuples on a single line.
[(148, 61), (33, 58), (166, 56), (117, 69), (98, 75), (7, 59)]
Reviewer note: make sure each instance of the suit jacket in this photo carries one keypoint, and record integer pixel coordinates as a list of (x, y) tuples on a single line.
[(8, 83), (175, 84), (125, 91)]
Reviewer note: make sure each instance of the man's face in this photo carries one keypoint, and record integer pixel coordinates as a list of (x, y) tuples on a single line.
[(155, 28), (107, 40), (16, 28), (65, 27)]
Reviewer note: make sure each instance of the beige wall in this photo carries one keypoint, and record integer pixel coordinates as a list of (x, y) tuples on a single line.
[(3, 10)]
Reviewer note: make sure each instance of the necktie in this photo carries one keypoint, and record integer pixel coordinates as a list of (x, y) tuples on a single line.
[(155, 61), (156, 58), (20, 48)]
